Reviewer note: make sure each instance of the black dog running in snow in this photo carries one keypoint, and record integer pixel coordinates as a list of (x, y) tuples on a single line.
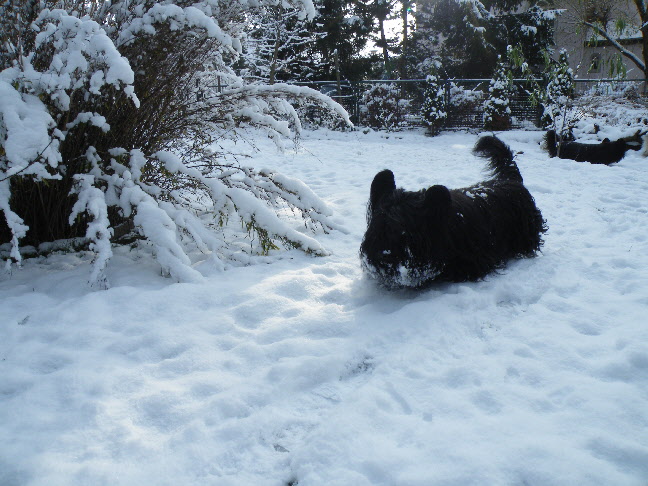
[(414, 238)]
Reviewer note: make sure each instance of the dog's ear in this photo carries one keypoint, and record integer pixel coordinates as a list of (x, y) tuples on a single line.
[(606, 140), (437, 199), (382, 185)]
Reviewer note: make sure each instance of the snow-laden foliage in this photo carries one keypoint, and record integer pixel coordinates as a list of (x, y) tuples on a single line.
[(462, 97), (497, 110), (275, 48), (433, 109), (109, 117), (384, 106), (346, 26), (554, 93), (467, 35)]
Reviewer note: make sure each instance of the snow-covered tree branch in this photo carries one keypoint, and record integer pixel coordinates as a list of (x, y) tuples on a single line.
[(617, 45), (613, 23)]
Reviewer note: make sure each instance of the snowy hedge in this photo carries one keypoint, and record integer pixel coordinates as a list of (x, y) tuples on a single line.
[(384, 107), (107, 119)]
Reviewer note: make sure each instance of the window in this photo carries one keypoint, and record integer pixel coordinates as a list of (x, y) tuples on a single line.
[(595, 63)]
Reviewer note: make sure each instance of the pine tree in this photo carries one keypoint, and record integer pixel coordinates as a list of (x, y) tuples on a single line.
[(382, 10), (346, 26), (467, 36), (459, 28), (497, 110), (433, 109)]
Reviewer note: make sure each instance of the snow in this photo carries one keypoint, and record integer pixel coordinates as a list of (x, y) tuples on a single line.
[(298, 368), (178, 18), (26, 124)]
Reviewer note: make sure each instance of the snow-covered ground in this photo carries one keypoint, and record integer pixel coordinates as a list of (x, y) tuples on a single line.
[(297, 370)]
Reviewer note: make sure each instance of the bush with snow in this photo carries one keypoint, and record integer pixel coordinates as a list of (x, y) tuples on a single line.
[(384, 107), (464, 104), (102, 124), (462, 97)]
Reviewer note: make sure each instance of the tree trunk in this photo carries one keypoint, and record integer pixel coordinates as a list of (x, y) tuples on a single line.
[(383, 43), (275, 56), (402, 63), (642, 8)]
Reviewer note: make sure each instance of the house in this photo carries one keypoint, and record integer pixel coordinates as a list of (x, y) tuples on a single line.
[(592, 56)]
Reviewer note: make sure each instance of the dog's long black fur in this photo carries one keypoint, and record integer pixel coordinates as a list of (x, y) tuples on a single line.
[(605, 152), (441, 234)]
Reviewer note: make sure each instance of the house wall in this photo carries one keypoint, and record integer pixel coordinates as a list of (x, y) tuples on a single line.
[(570, 36)]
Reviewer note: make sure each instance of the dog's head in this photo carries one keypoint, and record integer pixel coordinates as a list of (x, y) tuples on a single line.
[(406, 238)]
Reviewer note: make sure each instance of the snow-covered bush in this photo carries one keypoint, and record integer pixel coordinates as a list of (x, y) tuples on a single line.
[(464, 105), (315, 116), (102, 125), (462, 97), (497, 110), (384, 107), (433, 109), (631, 90)]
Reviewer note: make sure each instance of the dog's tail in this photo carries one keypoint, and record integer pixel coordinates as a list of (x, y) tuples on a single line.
[(551, 143), (500, 156)]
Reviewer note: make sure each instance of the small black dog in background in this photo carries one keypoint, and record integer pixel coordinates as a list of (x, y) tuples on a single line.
[(605, 152), (441, 234)]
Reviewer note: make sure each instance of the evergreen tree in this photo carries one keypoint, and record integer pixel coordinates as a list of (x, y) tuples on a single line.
[(460, 42), (346, 27), (467, 36), (424, 42), (382, 10), (497, 110), (433, 109), (531, 31)]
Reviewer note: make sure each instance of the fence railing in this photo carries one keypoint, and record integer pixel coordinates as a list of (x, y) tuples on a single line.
[(464, 98)]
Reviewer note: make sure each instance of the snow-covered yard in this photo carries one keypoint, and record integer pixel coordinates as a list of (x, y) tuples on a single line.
[(297, 370)]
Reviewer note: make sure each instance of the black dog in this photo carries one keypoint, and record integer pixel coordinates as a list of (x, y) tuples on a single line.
[(441, 234), (605, 152)]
